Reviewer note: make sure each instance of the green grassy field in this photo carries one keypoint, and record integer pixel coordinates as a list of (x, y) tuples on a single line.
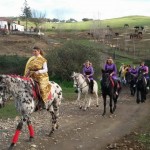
[(114, 23)]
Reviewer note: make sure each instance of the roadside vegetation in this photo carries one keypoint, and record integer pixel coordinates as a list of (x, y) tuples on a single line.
[(66, 51)]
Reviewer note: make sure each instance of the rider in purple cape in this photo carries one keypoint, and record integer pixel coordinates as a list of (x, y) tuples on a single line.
[(88, 72), (111, 68), (145, 73), (134, 70)]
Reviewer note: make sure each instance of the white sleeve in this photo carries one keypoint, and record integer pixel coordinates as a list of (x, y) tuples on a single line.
[(45, 69)]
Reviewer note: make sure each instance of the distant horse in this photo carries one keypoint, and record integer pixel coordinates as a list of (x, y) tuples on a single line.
[(81, 83), (141, 87), (126, 25), (116, 34), (22, 91), (136, 35), (108, 88), (131, 80)]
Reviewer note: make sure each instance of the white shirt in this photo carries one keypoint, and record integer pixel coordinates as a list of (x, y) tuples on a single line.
[(44, 69)]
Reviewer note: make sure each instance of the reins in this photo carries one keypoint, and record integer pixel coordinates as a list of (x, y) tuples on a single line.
[(79, 86)]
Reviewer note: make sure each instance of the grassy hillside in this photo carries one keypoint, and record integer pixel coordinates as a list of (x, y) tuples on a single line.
[(114, 23)]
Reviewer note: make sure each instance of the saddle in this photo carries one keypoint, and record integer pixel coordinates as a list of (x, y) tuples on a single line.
[(36, 90)]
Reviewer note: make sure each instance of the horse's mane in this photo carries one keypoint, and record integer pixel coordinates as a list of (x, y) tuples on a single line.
[(20, 80)]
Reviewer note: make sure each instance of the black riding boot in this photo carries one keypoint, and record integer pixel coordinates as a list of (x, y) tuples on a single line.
[(148, 84), (91, 86), (115, 87)]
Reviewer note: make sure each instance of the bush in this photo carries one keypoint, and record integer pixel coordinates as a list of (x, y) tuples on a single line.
[(64, 60), (12, 64)]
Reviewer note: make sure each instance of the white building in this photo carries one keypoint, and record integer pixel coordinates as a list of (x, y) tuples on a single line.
[(16, 27), (3, 24), (10, 25)]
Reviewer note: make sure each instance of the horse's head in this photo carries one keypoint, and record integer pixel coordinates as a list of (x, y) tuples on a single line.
[(140, 74), (105, 78), (78, 79)]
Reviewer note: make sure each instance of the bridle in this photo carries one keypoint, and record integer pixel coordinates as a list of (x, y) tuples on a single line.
[(80, 85)]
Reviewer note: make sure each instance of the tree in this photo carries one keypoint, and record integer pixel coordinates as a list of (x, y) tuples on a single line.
[(26, 12), (38, 18), (86, 19)]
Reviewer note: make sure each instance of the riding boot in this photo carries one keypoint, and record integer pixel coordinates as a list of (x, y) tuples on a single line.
[(148, 84), (91, 86), (116, 87)]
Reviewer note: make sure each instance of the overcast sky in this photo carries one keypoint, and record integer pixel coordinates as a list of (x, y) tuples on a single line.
[(78, 9)]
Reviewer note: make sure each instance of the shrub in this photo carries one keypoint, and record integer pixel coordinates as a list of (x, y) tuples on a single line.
[(64, 60), (12, 64)]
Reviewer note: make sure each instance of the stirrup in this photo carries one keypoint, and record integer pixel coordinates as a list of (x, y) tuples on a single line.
[(116, 93)]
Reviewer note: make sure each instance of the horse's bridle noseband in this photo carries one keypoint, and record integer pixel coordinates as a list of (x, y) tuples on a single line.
[(79, 85)]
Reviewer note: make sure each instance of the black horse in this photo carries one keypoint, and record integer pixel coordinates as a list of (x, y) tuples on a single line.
[(131, 81), (108, 87), (141, 87)]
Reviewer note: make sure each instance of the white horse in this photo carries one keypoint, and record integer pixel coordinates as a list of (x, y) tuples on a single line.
[(22, 91), (80, 82)]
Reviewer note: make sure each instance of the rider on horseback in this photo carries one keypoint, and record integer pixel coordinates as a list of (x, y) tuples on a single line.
[(36, 68), (134, 72), (145, 70), (88, 72), (111, 68)]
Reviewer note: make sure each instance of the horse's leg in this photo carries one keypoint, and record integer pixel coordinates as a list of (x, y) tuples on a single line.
[(137, 98), (89, 102), (143, 96), (31, 131), (134, 90), (104, 103), (115, 103), (56, 111), (97, 102), (79, 100), (131, 89), (16, 135), (54, 120), (85, 101), (110, 104)]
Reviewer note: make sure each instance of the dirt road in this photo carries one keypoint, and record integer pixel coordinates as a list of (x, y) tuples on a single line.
[(83, 130)]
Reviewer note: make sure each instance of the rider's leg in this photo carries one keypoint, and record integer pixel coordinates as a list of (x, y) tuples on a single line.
[(91, 86), (148, 83), (115, 85)]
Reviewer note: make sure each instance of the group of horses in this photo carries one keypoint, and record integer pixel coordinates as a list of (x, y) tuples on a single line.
[(22, 91)]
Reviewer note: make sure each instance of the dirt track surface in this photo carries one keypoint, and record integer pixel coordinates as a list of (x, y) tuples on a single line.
[(80, 130)]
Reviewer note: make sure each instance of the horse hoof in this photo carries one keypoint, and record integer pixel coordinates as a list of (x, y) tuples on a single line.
[(31, 139), (51, 134), (110, 116), (103, 114), (57, 126), (11, 146)]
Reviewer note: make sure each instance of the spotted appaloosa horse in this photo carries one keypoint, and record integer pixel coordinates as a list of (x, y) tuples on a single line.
[(21, 90), (80, 82)]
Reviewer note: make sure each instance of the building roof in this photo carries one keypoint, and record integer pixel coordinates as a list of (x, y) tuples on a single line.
[(6, 19)]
